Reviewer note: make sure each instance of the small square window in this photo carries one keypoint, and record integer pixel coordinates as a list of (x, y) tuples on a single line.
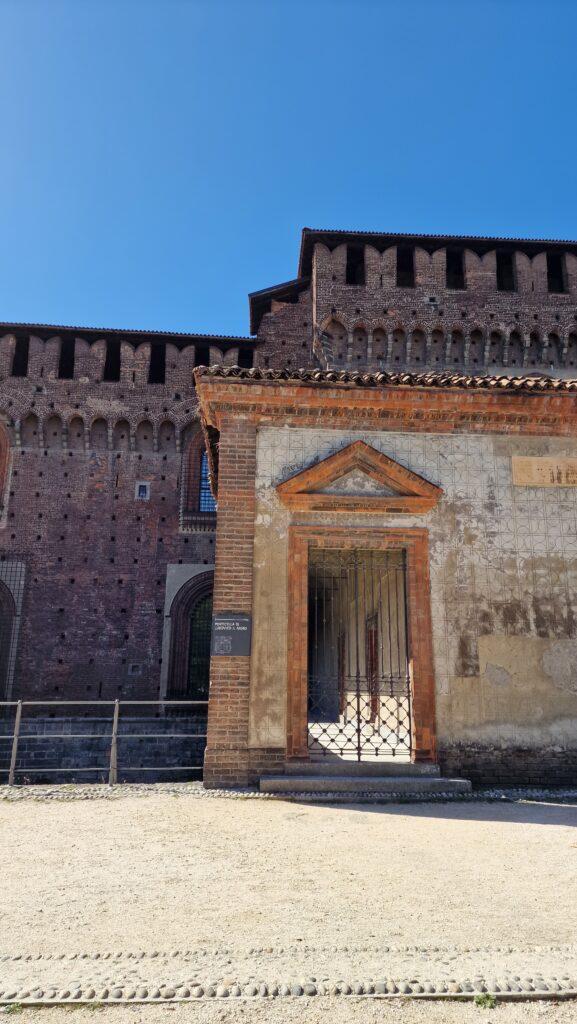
[(142, 490)]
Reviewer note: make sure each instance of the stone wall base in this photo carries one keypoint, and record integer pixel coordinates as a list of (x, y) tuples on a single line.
[(227, 768), (52, 750), (266, 761), (510, 766)]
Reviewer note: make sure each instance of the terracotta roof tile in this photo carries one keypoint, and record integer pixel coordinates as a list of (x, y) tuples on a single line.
[(439, 379)]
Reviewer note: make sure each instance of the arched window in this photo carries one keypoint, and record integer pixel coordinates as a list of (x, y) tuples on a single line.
[(190, 628), (206, 502), (198, 507)]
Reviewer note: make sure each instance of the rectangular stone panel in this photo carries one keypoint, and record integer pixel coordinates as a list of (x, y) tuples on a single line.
[(529, 471)]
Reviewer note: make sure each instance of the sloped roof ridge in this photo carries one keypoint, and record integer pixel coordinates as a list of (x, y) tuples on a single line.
[(7, 325), (425, 234)]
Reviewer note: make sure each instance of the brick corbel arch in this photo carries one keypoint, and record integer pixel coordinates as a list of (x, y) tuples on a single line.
[(181, 609)]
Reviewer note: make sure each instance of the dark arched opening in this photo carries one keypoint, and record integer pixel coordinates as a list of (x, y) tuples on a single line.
[(191, 618)]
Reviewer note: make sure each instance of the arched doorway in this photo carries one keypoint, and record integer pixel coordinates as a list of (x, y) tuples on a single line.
[(191, 618), (198, 666)]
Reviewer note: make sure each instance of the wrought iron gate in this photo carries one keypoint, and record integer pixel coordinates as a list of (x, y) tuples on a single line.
[(359, 700)]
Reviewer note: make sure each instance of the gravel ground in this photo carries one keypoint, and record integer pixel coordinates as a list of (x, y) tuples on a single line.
[(167, 889), (319, 1011)]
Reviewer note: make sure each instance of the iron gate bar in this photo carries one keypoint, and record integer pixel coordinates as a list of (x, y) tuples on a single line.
[(359, 699)]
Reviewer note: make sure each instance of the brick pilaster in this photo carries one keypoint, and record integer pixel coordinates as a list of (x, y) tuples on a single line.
[(226, 760)]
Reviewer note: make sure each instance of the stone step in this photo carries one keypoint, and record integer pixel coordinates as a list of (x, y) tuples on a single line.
[(401, 784), (364, 768)]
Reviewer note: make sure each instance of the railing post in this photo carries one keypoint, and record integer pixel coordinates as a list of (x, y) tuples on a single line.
[(15, 737), (113, 771)]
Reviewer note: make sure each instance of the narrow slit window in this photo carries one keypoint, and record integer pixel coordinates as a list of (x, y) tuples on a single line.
[(355, 264), (206, 502), (455, 269), (405, 266), (556, 277), (157, 365), (20, 360), (66, 359), (112, 361), (505, 272)]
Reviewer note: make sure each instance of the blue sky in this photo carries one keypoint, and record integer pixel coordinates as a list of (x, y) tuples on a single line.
[(160, 158)]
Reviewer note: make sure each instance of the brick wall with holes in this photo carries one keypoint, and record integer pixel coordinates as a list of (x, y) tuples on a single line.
[(92, 508)]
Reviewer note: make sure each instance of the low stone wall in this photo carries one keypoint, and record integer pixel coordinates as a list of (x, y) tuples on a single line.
[(144, 742), (510, 766)]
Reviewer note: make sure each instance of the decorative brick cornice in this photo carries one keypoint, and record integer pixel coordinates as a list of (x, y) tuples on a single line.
[(419, 403)]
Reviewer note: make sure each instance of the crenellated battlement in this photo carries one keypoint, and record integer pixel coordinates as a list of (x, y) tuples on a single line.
[(46, 355), (388, 301)]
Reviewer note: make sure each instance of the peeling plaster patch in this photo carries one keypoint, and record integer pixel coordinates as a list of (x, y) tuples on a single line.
[(559, 665), (497, 674)]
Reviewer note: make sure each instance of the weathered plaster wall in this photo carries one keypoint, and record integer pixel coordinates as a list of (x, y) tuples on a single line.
[(503, 584)]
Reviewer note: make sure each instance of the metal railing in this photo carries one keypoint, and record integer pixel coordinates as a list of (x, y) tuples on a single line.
[(113, 766)]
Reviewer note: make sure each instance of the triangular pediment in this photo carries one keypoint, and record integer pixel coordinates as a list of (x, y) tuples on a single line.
[(359, 479)]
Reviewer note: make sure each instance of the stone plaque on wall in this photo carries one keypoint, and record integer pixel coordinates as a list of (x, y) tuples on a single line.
[(231, 635), (530, 471)]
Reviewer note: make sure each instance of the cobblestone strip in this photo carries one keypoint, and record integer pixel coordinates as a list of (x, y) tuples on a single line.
[(448, 972), (95, 791)]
